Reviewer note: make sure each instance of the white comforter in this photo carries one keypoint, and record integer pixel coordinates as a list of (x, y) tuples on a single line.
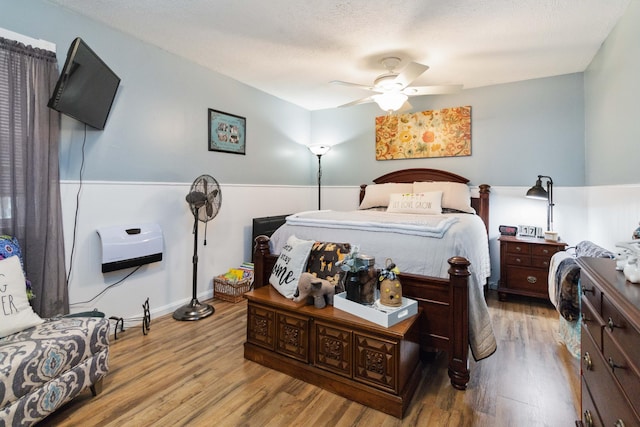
[(460, 235)]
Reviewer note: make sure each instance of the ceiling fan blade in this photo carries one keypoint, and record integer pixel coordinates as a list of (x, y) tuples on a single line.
[(432, 90), (340, 82), (357, 102), (410, 73)]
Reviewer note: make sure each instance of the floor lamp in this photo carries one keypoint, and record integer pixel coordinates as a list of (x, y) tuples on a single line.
[(537, 192), (319, 150)]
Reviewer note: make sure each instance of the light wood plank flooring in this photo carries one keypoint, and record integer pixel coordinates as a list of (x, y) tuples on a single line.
[(194, 374)]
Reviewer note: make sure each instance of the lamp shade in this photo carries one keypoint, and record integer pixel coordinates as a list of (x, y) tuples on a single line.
[(537, 191), (319, 150), (390, 101)]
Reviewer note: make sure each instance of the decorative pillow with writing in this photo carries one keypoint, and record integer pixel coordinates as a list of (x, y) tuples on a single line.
[(455, 195), (377, 195), (16, 313), (290, 265), (416, 203), (323, 259)]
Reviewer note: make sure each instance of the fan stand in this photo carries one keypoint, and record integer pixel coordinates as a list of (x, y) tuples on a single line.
[(195, 310)]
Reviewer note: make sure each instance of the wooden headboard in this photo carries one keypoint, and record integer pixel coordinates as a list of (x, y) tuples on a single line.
[(480, 204)]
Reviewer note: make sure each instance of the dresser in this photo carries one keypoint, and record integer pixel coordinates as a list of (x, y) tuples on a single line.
[(330, 348), (610, 339), (524, 266)]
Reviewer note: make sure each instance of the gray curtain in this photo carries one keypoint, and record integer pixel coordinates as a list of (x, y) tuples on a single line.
[(30, 207)]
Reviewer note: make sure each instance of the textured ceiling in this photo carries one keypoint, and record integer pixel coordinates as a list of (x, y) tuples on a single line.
[(293, 48)]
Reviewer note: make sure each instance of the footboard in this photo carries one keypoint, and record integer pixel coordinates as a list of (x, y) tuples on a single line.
[(444, 323)]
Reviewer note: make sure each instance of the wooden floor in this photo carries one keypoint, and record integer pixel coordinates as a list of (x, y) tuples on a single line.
[(194, 374)]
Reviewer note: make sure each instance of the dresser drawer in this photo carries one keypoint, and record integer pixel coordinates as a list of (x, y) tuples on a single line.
[(591, 293), (528, 279), (590, 416), (592, 323), (621, 330), (622, 369), (606, 394)]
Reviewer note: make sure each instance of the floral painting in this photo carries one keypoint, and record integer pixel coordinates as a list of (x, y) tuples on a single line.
[(437, 133)]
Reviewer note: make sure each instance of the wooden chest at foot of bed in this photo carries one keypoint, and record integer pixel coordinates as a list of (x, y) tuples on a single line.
[(376, 366)]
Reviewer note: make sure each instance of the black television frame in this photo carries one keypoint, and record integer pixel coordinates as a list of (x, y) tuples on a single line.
[(85, 91)]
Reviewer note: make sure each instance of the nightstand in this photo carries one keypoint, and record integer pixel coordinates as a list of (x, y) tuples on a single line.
[(524, 266)]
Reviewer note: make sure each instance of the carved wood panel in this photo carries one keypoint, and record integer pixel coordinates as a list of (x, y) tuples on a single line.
[(260, 326), (293, 336), (376, 362), (333, 349)]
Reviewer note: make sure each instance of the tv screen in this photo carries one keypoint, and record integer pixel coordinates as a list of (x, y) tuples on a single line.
[(86, 87)]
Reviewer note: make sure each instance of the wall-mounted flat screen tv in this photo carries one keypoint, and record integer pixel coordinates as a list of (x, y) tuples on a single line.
[(86, 87)]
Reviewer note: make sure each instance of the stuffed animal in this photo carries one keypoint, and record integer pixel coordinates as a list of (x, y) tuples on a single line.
[(318, 292)]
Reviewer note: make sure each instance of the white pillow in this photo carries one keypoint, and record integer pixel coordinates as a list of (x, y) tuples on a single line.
[(16, 313), (418, 203), (290, 265), (377, 195), (455, 195)]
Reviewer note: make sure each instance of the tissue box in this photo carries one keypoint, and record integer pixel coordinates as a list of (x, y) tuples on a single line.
[(389, 317)]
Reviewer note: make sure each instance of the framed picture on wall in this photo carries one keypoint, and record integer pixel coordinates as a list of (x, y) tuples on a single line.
[(227, 132)]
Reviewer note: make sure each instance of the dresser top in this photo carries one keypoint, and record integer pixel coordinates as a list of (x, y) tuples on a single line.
[(625, 294)]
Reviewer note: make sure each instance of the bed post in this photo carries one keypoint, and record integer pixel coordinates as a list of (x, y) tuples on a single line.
[(483, 204), (260, 251), (459, 322)]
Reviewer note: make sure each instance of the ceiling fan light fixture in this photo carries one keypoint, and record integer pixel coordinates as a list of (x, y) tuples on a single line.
[(390, 101)]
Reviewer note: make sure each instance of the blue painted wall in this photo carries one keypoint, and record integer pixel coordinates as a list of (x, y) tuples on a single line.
[(612, 90), (157, 130), (519, 130)]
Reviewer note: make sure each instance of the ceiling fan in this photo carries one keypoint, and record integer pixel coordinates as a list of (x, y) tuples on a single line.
[(393, 89)]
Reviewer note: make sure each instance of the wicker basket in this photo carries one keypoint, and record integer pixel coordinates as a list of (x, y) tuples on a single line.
[(232, 291)]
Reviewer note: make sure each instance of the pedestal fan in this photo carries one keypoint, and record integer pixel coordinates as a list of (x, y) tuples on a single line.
[(205, 200)]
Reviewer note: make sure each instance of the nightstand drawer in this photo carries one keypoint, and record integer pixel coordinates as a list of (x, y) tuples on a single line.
[(544, 250), (523, 260), (517, 248), (527, 279), (539, 262)]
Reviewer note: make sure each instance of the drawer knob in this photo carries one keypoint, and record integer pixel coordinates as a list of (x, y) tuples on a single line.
[(588, 418), (619, 423), (612, 325), (532, 279), (518, 248), (586, 291), (518, 260), (588, 364), (545, 251), (613, 365)]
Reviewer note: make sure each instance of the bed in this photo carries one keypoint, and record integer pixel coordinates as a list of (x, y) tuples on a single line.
[(564, 290), (454, 316)]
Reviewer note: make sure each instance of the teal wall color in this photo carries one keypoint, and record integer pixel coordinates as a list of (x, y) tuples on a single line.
[(612, 90), (519, 130), (157, 128)]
